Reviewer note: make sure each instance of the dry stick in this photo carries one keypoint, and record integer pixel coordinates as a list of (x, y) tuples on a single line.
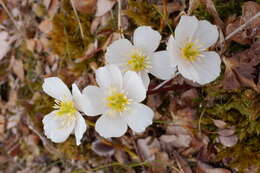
[(77, 18), (242, 26), (10, 15), (119, 24)]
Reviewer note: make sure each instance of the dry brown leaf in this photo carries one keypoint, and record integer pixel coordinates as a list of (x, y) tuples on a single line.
[(241, 69), (247, 35), (45, 26), (204, 168), (2, 124), (219, 123), (53, 7), (86, 6), (4, 44), (228, 141), (104, 6), (18, 68), (178, 141), (148, 147)]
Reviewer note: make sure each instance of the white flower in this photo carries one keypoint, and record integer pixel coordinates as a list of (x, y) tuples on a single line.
[(4, 44), (141, 56), (189, 50), (118, 99), (66, 119)]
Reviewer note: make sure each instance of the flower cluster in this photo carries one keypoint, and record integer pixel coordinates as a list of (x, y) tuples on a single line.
[(123, 82)]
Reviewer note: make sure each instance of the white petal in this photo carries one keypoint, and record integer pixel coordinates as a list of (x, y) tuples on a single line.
[(173, 50), (79, 99), (118, 52), (55, 127), (139, 117), (55, 88), (80, 128), (145, 78), (134, 86), (109, 76), (147, 38), (204, 70), (109, 127), (163, 66), (186, 28), (95, 97), (206, 34)]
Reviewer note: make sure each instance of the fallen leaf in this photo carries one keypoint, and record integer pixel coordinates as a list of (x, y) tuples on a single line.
[(2, 124), (4, 44), (170, 141), (204, 168), (86, 6), (219, 123), (148, 147), (252, 30), (18, 68), (226, 132), (45, 26), (228, 141), (104, 6), (13, 121), (241, 69), (102, 149)]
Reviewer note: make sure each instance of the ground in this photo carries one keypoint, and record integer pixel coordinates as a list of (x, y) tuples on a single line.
[(204, 129)]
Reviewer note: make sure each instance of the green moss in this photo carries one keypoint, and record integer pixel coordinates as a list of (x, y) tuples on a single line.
[(240, 109), (226, 8), (66, 39), (202, 13), (143, 13)]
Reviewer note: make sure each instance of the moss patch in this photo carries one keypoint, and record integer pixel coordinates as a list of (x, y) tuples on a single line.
[(66, 39)]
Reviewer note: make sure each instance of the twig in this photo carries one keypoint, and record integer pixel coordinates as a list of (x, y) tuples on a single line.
[(119, 23), (161, 84), (242, 26), (201, 115), (10, 15), (77, 18)]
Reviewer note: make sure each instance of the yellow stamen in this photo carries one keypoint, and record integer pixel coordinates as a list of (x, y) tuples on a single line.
[(117, 101), (190, 51), (138, 61), (65, 108)]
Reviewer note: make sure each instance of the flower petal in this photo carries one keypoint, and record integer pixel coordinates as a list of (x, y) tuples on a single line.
[(55, 127), (95, 105), (134, 86), (108, 126), (186, 28), (173, 50), (80, 128), (147, 38), (206, 33), (204, 70), (55, 88), (139, 117), (163, 66), (79, 100), (117, 52), (109, 75), (145, 78)]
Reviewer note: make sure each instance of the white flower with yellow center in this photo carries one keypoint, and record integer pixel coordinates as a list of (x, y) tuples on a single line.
[(189, 50), (118, 99), (65, 119), (141, 56)]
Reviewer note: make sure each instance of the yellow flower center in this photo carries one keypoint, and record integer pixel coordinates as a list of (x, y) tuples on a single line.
[(65, 108), (117, 101), (190, 51), (138, 61)]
